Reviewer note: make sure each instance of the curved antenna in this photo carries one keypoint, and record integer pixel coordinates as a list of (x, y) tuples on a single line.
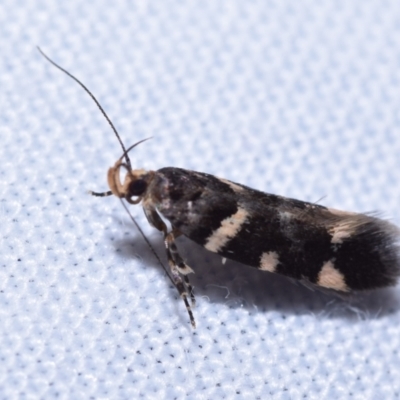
[(125, 153), (128, 161)]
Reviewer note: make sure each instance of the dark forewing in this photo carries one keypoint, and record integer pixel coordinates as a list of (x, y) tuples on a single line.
[(333, 249)]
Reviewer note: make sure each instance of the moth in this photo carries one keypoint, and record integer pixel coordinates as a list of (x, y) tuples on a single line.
[(319, 246)]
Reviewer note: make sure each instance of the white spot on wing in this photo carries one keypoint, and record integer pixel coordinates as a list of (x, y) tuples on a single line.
[(229, 228), (346, 225), (269, 261), (235, 187), (329, 277), (342, 230), (341, 213)]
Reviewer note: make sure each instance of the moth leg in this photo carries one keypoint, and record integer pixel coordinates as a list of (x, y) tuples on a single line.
[(190, 290), (177, 266), (182, 267), (182, 288), (101, 194)]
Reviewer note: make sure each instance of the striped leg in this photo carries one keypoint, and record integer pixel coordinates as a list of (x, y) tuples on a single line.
[(177, 266), (101, 194), (181, 266)]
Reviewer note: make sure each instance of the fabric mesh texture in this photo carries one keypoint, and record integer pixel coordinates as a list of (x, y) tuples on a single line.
[(299, 99)]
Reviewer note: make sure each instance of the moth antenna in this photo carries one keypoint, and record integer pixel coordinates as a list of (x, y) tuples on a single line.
[(125, 154), (128, 161)]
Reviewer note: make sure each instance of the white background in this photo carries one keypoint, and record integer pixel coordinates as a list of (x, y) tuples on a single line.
[(300, 99)]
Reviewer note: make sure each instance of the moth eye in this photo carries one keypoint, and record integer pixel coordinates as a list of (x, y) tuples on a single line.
[(137, 187)]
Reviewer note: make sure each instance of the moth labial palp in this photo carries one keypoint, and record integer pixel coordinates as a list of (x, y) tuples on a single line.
[(318, 246)]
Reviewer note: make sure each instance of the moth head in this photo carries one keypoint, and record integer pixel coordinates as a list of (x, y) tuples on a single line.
[(133, 186)]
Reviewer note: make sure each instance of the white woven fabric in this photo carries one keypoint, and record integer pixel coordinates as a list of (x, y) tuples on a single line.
[(301, 99)]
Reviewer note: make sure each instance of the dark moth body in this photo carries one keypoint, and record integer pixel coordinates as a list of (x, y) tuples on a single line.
[(308, 242), (330, 248)]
